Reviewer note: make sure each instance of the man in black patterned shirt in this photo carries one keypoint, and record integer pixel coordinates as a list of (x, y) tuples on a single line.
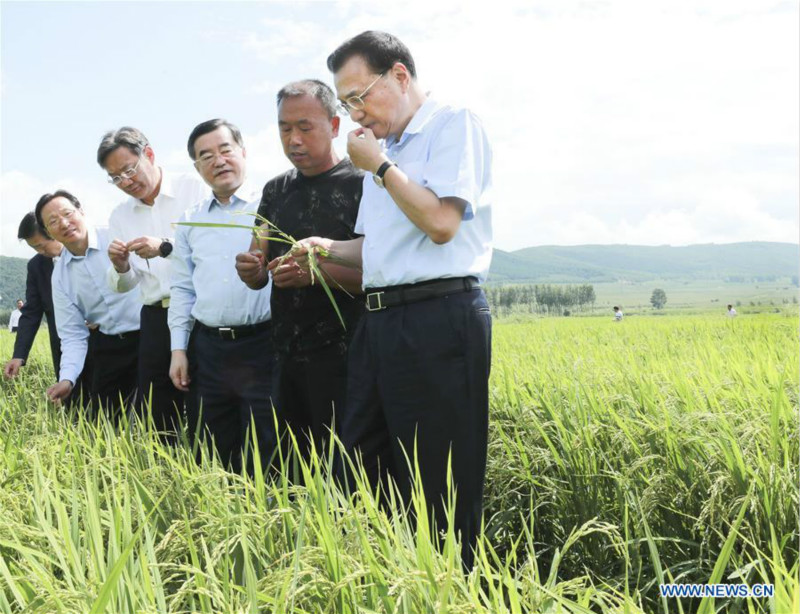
[(318, 197)]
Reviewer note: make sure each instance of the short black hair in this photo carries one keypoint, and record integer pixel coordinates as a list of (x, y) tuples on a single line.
[(210, 126), (46, 198), (380, 51), (28, 227)]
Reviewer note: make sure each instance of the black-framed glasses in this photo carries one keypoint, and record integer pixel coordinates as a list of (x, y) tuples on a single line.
[(129, 174), (356, 103)]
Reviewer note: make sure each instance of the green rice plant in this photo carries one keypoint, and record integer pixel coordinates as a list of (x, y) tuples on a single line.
[(620, 457), (267, 231)]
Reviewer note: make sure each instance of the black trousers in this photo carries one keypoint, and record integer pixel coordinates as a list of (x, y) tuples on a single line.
[(155, 388), (114, 361), (231, 383), (418, 384), (308, 390)]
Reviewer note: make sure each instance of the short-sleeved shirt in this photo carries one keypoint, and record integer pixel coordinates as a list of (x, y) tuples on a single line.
[(446, 150), (325, 205)]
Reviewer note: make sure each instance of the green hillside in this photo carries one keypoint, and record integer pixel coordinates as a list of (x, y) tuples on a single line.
[(740, 262), (12, 281)]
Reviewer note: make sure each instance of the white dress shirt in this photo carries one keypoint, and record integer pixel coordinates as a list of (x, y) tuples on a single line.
[(13, 321), (445, 150), (205, 285), (81, 295), (132, 219)]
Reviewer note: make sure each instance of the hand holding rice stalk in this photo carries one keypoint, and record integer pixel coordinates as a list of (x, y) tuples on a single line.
[(306, 255)]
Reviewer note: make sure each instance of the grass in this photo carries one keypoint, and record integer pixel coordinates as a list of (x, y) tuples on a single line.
[(621, 456)]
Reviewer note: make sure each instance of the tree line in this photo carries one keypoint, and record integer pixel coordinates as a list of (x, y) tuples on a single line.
[(546, 299)]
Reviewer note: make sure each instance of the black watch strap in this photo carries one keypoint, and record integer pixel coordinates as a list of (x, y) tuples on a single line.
[(383, 168), (165, 249)]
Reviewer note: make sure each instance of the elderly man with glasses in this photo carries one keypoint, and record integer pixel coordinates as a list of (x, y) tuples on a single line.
[(81, 295), (419, 361), (141, 231), (221, 329)]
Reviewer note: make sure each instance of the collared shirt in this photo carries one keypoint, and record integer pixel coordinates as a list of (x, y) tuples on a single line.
[(132, 219), (445, 150), (81, 295), (205, 285)]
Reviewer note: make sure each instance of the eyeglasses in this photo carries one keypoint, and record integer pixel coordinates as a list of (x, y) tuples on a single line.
[(208, 158), (356, 103), (59, 218), (129, 174)]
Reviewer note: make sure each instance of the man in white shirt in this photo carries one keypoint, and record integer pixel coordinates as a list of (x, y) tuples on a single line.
[(13, 320), (419, 360), (221, 330), (80, 295), (141, 247)]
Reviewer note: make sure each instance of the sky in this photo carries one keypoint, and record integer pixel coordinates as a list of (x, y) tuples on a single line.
[(639, 122)]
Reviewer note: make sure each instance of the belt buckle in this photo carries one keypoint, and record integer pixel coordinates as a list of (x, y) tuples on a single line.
[(227, 329), (377, 296), (164, 303)]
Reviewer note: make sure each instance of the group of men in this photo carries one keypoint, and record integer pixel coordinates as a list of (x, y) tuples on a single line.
[(232, 326)]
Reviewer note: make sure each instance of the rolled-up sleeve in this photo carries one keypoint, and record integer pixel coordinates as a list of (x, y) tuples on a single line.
[(458, 161)]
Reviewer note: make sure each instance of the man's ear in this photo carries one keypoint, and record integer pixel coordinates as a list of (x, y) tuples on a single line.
[(149, 153), (244, 152), (400, 72), (335, 125)]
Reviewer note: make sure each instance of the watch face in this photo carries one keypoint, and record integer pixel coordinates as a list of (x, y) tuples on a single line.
[(378, 181)]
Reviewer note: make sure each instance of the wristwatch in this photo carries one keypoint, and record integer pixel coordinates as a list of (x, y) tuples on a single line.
[(378, 176), (165, 249)]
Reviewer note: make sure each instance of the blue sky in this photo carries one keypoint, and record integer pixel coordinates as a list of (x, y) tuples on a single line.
[(612, 122)]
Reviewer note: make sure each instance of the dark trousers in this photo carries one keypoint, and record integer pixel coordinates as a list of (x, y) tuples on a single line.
[(418, 384), (231, 382), (308, 389), (114, 361), (155, 388)]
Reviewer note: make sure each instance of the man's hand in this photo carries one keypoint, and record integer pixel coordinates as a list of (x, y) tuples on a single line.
[(60, 391), (300, 251), (118, 254), (145, 247), (364, 150), (251, 269), (179, 370), (287, 273), (11, 370)]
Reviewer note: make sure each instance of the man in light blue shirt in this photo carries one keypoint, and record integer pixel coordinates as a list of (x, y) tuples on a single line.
[(220, 329), (81, 295), (419, 361)]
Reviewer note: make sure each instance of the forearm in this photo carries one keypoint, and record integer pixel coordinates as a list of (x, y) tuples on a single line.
[(345, 253), (439, 218), (342, 277)]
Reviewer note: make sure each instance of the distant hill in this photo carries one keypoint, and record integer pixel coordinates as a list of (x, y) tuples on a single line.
[(12, 281), (743, 262), (754, 261)]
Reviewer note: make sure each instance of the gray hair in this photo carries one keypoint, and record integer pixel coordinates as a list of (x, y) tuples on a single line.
[(310, 87), (127, 137)]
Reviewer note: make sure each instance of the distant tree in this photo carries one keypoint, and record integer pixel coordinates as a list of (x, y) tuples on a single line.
[(658, 299)]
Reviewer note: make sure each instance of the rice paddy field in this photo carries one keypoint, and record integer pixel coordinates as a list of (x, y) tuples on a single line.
[(621, 457)]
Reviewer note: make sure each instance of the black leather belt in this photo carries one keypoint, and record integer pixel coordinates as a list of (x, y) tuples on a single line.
[(392, 296), (234, 332)]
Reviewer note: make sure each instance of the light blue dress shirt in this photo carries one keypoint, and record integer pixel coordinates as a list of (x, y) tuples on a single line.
[(445, 150), (205, 285), (81, 294)]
